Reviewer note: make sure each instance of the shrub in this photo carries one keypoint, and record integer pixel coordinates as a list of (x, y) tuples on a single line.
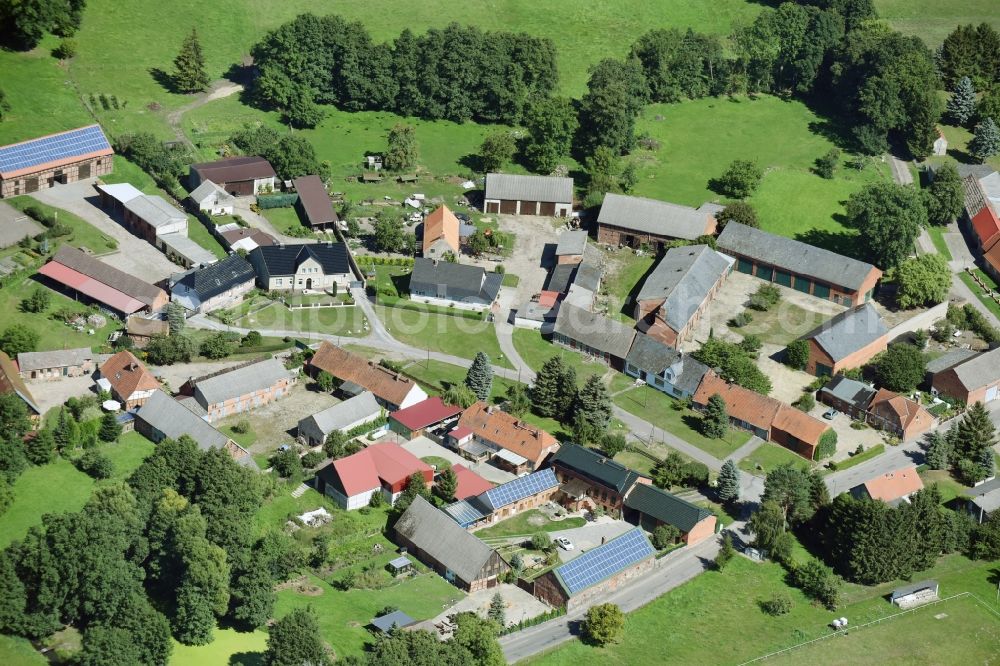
[(541, 541), (312, 459), (827, 444), (797, 354), (779, 604), (765, 298), (664, 536), (67, 49), (805, 403), (96, 465), (242, 426), (741, 320)]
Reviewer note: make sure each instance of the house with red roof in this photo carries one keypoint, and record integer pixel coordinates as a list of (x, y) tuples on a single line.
[(382, 467), (984, 222), (892, 487), (428, 414), (470, 484)]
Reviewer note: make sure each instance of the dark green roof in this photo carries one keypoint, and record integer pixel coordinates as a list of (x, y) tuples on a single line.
[(596, 466), (665, 507)]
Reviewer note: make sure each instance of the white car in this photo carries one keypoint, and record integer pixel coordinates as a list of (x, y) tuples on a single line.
[(564, 543)]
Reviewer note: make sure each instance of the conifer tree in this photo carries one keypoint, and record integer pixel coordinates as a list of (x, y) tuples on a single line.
[(40, 449), (715, 422), (446, 485), (975, 432), (63, 433), (479, 378), (593, 403), (938, 449), (110, 428), (728, 482), (498, 610), (962, 103), (189, 73), (554, 389), (985, 140)]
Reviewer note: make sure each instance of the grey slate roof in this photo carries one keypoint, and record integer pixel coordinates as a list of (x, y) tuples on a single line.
[(683, 279), (651, 355), (219, 278), (434, 532), (571, 242), (850, 391), (849, 331), (656, 217), (284, 259), (665, 507), (529, 188), (57, 358), (186, 247), (979, 371), (398, 619), (457, 282), (986, 496), (949, 360), (594, 330), (793, 255), (155, 210), (588, 274), (561, 277), (242, 380), (341, 415), (596, 466), (208, 190)]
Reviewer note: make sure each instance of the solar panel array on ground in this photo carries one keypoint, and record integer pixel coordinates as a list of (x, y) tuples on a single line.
[(604, 561), (518, 489), (82, 141)]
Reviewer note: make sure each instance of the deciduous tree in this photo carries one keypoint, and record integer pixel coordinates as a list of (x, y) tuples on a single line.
[(604, 624), (889, 218), (616, 92), (901, 367), (295, 640), (402, 152), (550, 124), (945, 196), (740, 180), (738, 211), (17, 339), (922, 280), (497, 150)]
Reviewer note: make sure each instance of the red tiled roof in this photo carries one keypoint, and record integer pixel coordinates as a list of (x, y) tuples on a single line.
[(548, 298), (442, 223), (992, 257), (470, 484), (88, 286), (127, 375), (425, 413), (895, 484), (797, 423), (743, 404), (906, 410), (508, 432), (377, 464), (387, 385), (987, 227)]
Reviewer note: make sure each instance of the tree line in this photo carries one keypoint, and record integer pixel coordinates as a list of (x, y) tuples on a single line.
[(457, 73), (26, 21)]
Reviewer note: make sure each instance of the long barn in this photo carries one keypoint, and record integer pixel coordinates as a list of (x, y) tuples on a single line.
[(528, 195), (66, 157)]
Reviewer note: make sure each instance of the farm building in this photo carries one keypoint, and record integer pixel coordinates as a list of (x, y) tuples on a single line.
[(677, 292), (344, 416), (142, 329), (512, 443), (65, 157), (528, 195), (11, 382), (379, 468), (128, 380), (974, 380), (571, 246), (240, 388), (649, 507), (221, 285), (636, 221), (393, 390), (765, 417), (982, 220), (899, 415), (315, 267), (415, 420), (892, 487), (235, 237), (57, 363), (663, 367), (506, 500), (847, 341), (440, 233), (442, 544), (591, 576), (239, 176), (798, 265), (914, 594), (593, 334), (590, 479), (983, 500), (212, 199), (446, 284), (470, 484), (314, 203), (100, 283)]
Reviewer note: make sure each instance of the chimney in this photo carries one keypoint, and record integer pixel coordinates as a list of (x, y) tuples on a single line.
[(489, 409), (604, 540)]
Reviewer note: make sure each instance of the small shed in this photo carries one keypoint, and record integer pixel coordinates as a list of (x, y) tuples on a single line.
[(370, 177), (400, 565), (387, 623), (407, 177), (914, 594)]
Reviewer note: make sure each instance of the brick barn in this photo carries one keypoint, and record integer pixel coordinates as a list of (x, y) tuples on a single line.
[(637, 221), (238, 176), (528, 195), (849, 340), (66, 157)]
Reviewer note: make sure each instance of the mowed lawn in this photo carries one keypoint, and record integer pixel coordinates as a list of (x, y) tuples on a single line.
[(527, 523), (769, 455), (228, 646), (348, 321), (443, 333), (17, 651), (933, 20), (536, 351)]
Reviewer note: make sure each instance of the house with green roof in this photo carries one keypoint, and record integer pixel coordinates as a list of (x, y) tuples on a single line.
[(590, 479)]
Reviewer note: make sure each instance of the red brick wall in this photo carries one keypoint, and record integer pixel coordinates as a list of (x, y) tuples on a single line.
[(853, 360), (701, 531)]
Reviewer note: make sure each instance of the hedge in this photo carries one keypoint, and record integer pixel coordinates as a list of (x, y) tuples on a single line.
[(276, 200)]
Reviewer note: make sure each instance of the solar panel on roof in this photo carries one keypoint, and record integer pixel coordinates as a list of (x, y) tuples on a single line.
[(518, 489), (51, 148), (604, 561), (463, 513)]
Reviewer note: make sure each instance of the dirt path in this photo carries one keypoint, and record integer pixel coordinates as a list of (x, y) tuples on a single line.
[(218, 90)]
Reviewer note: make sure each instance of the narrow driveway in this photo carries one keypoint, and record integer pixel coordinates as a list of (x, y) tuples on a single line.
[(217, 90)]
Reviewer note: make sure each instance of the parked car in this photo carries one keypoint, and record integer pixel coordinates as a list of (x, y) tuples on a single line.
[(462, 217), (564, 543), (830, 414)]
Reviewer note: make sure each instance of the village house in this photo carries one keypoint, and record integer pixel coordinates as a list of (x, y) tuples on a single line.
[(314, 203), (593, 575), (163, 417), (379, 468), (636, 221), (141, 330), (765, 417), (442, 544), (357, 374), (514, 444), (506, 500), (440, 233), (797, 265), (663, 367), (212, 199), (315, 267), (236, 238), (128, 380), (447, 284), (240, 388), (593, 334), (44, 162), (511, 194), (981, 219), (892, 487), (649, 507), (221, 285), (590, 480), (239, 176), (849, 340), (677, 292), (11, 382), (571, 246), (900, 415), (974, 380), (97, 282), (430, 414), (342, 417), (57, 363)]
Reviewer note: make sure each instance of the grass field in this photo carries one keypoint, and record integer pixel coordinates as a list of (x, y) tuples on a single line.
[(443, 333), (536, 350), (990, 304), (867, 454), (527, 523), (769, 455), (658, 408), (932, 20), (346, 321), (227, 647), (17, 651), (783, 323), (83, 233), (285, 220)]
